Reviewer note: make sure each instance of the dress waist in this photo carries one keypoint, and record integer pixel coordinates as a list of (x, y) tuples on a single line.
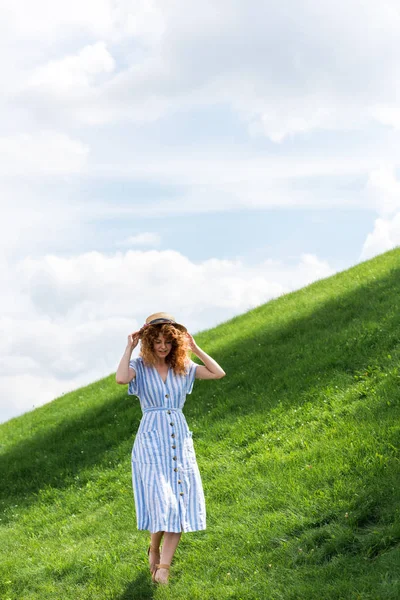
[(145, 410)]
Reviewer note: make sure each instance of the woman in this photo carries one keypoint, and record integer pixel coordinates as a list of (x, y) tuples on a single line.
[(167, 485)]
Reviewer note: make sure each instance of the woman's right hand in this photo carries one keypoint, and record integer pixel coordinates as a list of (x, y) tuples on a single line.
[(133, 340)]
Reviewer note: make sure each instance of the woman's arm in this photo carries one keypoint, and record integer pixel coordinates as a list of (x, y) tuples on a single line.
[(211, 369), (125, 373)]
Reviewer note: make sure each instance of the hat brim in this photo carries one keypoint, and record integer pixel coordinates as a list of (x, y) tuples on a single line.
[(162, 321)]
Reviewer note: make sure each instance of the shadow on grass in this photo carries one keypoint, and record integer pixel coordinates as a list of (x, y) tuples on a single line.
[(141, 588), (348, 333), (54, 458)]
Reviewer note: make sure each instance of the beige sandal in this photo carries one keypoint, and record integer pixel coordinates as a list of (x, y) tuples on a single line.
[(154, 568), (161, 566)]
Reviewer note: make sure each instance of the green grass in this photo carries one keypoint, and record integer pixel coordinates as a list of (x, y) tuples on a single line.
[(298, 447)]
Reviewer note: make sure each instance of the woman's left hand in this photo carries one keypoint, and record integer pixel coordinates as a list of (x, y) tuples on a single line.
[(192, 344)]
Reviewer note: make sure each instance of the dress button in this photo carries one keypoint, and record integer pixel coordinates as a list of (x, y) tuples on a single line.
[(171, 423), (172, 435), (179, 481), (167, 395), (174, 457), (174, 446), (168, 412), (175, 469), (181, 493)]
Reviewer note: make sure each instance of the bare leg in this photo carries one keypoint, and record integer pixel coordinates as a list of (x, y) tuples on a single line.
[(154, 554), (171, 541)]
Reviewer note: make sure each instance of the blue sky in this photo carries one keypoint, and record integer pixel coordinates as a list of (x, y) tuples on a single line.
[(254, 236), (199, 158)]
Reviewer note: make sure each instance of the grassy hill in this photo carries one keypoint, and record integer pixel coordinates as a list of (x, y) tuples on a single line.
[(298, 447)]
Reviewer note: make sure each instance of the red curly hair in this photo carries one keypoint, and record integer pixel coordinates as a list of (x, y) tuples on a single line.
[(177, 358)]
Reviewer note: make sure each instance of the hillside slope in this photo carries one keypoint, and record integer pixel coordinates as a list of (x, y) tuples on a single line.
[(297, 447)]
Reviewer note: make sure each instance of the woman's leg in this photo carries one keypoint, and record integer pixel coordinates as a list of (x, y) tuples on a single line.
[(170, 544), (154, 554)]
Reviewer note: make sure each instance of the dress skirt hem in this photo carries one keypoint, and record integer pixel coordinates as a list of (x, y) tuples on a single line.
[(165, 529)]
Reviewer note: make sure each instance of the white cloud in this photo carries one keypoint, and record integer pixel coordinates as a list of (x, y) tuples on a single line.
[(24, 392), (278, 123), (385, 236), (147, 238), (71, 74), (85, 69), (387, 114), (44, 153), (383, 188), (66, 89), (75, 313), (183, 54), (383, 192), (48, 22)]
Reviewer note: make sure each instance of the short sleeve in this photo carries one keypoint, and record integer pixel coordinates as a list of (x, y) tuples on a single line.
[(190, 377), (133, 386)]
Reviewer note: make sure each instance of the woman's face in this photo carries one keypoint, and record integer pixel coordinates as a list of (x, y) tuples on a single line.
[(161, 347)]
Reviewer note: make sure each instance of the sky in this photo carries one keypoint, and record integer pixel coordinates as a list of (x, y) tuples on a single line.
[(198, 158)]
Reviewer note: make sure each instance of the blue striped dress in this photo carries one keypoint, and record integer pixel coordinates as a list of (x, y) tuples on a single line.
[(167, 486)]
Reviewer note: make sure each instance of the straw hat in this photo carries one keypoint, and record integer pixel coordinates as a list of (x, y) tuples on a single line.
[(161, 318)]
